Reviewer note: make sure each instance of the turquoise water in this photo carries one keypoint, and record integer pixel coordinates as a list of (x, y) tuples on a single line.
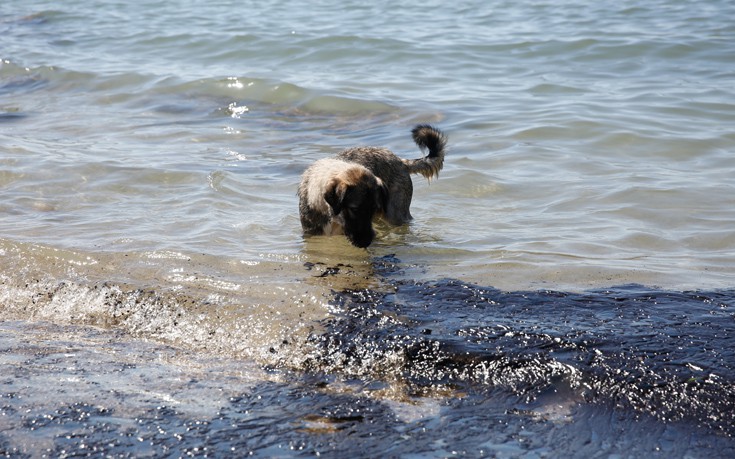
[(150, 153)]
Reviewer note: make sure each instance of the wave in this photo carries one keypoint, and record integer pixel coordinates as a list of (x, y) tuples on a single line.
[(667, 354), (139, 90), (163, 295)]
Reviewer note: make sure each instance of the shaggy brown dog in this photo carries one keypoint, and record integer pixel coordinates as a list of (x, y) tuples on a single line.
[(343, 195)]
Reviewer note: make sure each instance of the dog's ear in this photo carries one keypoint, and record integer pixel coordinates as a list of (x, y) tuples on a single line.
[(381, 197), (333, 196)]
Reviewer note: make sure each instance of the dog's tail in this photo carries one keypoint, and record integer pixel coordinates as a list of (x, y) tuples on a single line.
[(427, 136)]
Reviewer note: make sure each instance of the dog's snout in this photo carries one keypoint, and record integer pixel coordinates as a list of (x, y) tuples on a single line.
[(361, 239), (363, 245)]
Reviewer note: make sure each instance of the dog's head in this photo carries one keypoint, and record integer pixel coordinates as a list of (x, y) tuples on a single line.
[(358, 196)]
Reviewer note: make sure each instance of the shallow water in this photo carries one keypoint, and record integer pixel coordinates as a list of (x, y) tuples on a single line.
[(569, 274)]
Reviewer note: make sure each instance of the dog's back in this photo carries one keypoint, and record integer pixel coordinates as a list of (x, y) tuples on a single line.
[(384, 163)]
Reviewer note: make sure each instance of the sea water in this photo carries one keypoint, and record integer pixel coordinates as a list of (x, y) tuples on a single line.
[(565, 288)]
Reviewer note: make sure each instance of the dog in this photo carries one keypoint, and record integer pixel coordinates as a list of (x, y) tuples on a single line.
[(346, 193)]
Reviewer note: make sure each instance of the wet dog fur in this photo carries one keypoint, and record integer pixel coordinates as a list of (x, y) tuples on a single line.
[(345, 194)]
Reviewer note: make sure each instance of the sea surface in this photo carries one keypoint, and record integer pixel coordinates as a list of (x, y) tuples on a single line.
[(566, 288)]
